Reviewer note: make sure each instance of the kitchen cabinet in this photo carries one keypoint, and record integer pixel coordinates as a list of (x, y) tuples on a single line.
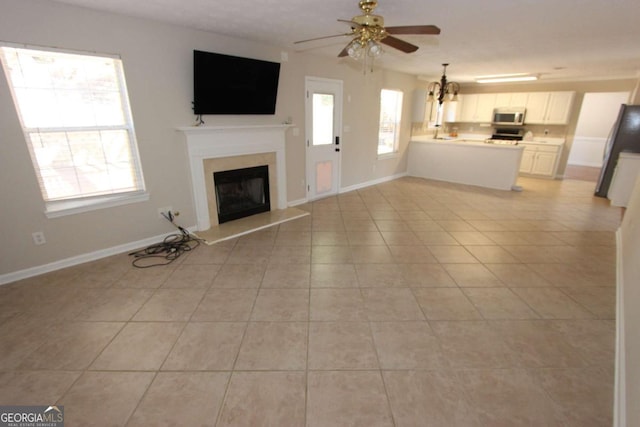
[(559, 107), (450, 112), (543, 163), (526, 165), (511, 99), (546, 108), (536, 107), (425, 111), (476, 108), (551, 108), (540, 159)]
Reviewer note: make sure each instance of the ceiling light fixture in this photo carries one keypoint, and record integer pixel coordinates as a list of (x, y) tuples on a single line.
[(365, 47), (443, 90), (507, 78)]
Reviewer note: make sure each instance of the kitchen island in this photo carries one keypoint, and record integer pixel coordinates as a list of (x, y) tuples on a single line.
[(465, 161)]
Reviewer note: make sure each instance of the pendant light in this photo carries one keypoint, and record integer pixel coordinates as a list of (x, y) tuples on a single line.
[(443, 90)]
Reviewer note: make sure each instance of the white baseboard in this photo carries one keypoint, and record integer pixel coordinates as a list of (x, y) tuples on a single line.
[(592, 165), (80, 259), (298, 202), (354, 187), (372, 182), (103, 253)]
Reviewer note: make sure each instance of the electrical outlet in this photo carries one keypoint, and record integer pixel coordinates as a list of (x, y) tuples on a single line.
[(38, 238), (165, 210)]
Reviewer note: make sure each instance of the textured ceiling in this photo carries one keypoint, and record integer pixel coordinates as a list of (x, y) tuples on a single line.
[(560, 40)]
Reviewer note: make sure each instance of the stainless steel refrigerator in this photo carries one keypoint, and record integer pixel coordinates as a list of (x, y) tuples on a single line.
[(624, 136)]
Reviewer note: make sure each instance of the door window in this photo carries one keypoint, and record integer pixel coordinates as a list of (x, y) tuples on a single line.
[(323, 105)]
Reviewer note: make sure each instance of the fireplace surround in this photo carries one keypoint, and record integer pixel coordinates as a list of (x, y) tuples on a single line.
[(216, 148)]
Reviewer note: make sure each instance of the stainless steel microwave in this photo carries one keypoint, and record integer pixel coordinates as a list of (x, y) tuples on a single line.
[(508, 116)]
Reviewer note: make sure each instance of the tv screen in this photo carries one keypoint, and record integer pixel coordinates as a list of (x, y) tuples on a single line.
[(224, 84)]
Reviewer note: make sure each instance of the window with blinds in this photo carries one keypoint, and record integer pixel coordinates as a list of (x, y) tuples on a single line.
[(390, 115), (75, 114)]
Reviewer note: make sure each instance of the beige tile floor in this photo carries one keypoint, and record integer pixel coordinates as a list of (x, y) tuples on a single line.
[(411, 303)]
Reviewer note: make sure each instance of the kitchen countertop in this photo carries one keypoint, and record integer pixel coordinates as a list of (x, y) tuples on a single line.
[(462, 141), (545, 141), (480, 141)]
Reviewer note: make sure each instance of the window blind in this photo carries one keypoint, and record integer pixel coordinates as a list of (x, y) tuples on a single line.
[(77, 123), (390, 116)]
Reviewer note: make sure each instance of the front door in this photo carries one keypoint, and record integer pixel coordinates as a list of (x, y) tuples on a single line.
[(323, 117)]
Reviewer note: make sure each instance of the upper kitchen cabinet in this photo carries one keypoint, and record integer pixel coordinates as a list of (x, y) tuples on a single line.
[(476, 108), (425, 111), (550, 108), (511, 99), (536, 107), (559, 108), (450, 111)]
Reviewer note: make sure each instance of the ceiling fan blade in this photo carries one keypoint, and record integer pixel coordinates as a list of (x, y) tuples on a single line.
[(414, 29), (344, 52), (399, 44), (323, 37)]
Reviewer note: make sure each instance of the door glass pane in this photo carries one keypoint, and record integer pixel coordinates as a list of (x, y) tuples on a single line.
[(324, 172), (322, 118)]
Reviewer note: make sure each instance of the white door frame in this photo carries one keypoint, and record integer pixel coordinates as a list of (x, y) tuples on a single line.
[(335, 87)]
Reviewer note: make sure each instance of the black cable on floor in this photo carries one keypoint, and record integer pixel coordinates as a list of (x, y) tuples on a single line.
[(170, 249)]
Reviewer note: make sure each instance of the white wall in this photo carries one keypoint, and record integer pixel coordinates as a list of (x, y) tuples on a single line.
[(158, 67), (598, 113)]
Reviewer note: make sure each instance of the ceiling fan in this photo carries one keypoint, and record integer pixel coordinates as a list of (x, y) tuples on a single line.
[(368, 31)]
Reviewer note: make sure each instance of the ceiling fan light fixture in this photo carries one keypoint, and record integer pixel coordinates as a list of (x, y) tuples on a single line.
[(374, 49), (370, 34), (355, 50)]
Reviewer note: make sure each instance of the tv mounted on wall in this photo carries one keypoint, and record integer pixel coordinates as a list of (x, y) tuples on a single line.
[(224, 84)]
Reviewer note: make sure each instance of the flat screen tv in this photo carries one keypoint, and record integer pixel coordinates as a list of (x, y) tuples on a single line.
[(224, 84)]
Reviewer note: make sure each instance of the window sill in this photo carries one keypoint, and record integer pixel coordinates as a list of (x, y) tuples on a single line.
[(72, 207)]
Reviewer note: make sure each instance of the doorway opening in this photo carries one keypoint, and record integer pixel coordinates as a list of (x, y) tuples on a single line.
[(323, 116)]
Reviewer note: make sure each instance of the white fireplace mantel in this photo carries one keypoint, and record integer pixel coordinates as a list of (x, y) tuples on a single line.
[(208, 142)]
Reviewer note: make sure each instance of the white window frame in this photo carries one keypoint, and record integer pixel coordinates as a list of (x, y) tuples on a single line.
[(390, 116), (83, 202)]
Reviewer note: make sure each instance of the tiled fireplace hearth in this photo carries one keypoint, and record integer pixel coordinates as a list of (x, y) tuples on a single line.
[(219, 148)]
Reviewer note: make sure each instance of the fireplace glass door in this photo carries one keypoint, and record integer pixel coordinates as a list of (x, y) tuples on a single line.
[(242, 192)]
